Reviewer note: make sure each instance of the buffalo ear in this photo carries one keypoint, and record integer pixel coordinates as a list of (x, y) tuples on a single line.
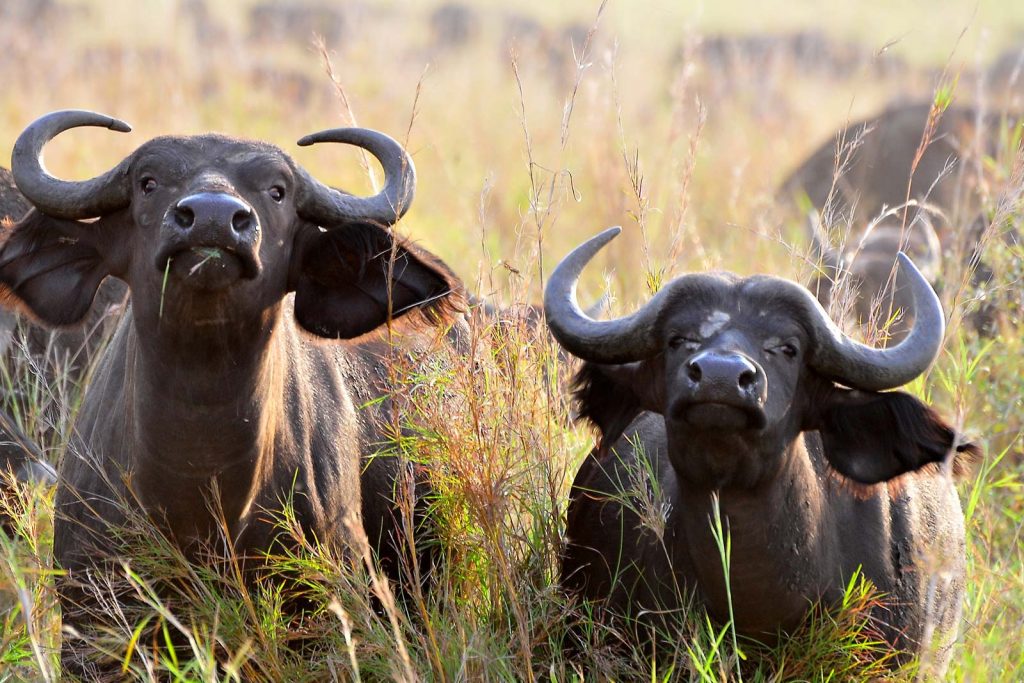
[(344, 279), (610, 396), (52, 267), (873, 437)]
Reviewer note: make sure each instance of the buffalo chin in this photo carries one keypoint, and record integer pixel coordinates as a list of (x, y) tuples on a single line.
[(208, 269), (709, 415)]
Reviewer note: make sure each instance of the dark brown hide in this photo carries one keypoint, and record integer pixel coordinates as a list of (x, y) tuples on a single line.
[(217, 388), (68, 349), (728, 401), (19, 455), (12, 204), (864, 270)]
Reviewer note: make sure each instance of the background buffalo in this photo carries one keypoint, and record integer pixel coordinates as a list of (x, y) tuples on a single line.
[(916, 177), (20, 456)]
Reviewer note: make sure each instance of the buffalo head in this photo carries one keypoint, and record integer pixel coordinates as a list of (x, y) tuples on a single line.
[(211, 232), (738, 396), (740, 367)]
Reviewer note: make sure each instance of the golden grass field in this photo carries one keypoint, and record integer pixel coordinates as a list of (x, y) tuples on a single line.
[(522, 151)]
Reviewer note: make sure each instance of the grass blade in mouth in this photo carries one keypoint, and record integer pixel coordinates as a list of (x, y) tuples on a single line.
[(163, 288), (208, 253)]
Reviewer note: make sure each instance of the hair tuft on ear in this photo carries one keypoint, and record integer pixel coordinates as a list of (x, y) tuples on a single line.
[(871, 437), (49, 268), (605, 403), (352, 279)]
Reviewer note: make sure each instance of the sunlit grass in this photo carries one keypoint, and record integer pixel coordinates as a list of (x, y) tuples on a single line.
[(516, 164)]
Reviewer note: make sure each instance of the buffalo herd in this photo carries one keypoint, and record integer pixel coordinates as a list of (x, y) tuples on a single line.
[(254, 313)]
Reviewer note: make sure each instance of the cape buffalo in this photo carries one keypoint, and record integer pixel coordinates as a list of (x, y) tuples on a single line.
[(217, 390), (878, 162), (729, 56), (278, 22), (865, 268), (70, 348), (19, 457), (737, 388), (12, 204), (453, 25), (878, 159)]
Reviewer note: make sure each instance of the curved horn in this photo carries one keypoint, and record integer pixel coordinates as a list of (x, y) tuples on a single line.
[(62, 198), (859, 366), (607, 341), (325, 205), (835, 355)]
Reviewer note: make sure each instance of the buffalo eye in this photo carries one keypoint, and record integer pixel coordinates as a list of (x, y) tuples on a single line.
[(276, 193), (789, 349), (147, 184), (683, 342)]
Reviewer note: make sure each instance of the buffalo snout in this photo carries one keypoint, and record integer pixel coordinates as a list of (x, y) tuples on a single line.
[(215, 211), (721, 389), (215, 233)]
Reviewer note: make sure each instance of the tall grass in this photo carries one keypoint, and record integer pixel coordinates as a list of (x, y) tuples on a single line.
[(518, 160)]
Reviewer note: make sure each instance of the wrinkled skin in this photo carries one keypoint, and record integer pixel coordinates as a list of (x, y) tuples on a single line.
[(216, 388), (731, 404)]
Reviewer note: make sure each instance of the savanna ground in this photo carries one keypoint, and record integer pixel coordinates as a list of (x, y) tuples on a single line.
[(521, 154)]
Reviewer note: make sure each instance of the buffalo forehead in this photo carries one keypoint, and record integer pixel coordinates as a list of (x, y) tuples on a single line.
[(188, 154), (690, 298), (723, 302), (714, 323)]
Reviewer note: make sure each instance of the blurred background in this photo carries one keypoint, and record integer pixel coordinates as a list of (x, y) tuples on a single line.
[(523, 117), (535, 124)]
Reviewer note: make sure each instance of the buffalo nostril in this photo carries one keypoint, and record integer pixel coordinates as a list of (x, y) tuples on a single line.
[(184, 216), (242, 220), (747, 378), (693, 371)]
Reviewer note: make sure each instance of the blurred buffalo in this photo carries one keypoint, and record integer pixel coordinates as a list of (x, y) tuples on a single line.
[(905, 160), (454, 25), (296, 22)]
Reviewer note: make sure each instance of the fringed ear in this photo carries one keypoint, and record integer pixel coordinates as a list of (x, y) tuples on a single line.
[(52, 267), (611, 396), (875, 437), (351, 279)]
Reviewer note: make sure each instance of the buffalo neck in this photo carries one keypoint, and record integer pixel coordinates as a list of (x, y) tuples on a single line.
[(204, 412), (782, 554), (206, 366)]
